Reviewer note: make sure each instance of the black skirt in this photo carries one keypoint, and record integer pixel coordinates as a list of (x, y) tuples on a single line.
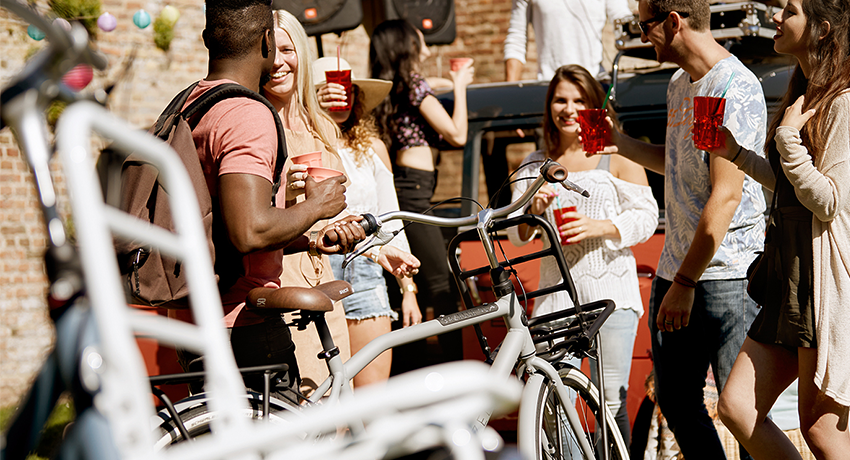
[(787, 316)]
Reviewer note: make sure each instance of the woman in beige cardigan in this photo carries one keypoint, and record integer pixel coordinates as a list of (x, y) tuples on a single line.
[(800, 331)]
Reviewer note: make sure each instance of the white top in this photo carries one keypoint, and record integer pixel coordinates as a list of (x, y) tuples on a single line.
[(601, 268), (687, 172), (822, 187), (372, 191), (566, 32)]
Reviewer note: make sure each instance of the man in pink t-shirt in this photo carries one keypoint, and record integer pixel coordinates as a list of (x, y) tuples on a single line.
[(237, 145)]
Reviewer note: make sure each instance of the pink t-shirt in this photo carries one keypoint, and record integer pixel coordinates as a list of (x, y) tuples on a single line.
[(238, 136)]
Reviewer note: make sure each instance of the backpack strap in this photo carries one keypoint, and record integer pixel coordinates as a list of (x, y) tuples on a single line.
[(199, 107), (175, 106)]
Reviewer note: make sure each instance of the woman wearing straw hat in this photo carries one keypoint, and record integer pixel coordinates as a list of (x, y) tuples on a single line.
[(367, 164)]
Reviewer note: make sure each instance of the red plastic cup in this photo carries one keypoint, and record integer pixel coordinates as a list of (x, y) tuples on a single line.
[(561, 220), (319, 174), (708, 116), (308, 159), (594, 129), (457, 63), (342, 77)]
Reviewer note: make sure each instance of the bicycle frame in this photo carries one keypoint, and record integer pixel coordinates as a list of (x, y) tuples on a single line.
[(96, 355), (517, 346), (516, 351)]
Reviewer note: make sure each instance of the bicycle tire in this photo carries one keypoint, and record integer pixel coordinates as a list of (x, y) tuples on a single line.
[(197, 417), (553, 437)]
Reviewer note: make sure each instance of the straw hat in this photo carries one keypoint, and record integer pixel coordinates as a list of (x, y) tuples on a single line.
[(372, 91)]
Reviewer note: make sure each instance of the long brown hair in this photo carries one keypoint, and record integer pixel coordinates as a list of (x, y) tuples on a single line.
[(393, 55), (594, 97), (830, 73)]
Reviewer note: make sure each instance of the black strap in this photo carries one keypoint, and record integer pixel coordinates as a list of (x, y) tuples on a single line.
[(199, 107), (175, 106)]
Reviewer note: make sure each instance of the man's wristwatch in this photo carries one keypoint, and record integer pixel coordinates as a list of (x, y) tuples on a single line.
[(313, 244)]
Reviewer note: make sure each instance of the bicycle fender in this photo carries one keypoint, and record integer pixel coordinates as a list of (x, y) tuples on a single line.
[(527, 416)]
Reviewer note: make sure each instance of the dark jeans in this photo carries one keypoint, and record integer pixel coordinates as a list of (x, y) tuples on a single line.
[(718, 325), (266, 343), (415, 188)]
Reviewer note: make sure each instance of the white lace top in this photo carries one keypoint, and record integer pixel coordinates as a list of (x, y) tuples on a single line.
[(372, 191), (601, 268)]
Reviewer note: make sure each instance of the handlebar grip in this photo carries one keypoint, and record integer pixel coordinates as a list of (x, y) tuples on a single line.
[(369, 224), (553, 172)]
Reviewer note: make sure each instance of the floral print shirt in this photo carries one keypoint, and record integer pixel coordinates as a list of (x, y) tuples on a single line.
[(412, 128), (687, 174)]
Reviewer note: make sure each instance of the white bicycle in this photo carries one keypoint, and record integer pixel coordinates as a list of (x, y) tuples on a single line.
[(96, 358), (551, 424)]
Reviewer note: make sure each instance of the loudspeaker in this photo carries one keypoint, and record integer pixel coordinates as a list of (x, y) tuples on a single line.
[(323, 16), (435, 18)]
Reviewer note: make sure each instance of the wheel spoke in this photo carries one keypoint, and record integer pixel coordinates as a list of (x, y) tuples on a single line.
[(556, 439)]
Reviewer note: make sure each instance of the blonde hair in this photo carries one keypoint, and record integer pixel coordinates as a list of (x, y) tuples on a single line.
[(304, 90)]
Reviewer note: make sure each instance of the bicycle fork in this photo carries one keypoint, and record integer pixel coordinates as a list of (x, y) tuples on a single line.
[(518, 347), (539, 370)]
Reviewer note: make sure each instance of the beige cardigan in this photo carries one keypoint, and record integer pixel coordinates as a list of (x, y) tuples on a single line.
[(824, 188)]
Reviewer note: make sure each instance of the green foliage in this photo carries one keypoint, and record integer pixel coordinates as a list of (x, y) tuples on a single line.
[(54, 110), (6, 414), (51, 435), (163, 33), (84, 11)]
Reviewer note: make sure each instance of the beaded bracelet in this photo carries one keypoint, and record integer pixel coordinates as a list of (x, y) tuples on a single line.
[(684, 281)]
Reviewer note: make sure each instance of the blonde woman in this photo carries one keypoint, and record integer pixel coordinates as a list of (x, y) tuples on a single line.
[(308, 129)]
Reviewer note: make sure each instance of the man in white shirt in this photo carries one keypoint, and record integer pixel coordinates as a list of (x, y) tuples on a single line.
[(700, 312), (566, 31)]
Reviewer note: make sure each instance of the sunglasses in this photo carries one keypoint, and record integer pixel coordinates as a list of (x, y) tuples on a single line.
[(644, 25)]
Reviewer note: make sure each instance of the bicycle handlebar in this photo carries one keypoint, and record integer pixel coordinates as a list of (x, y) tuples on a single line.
[(550, 171)]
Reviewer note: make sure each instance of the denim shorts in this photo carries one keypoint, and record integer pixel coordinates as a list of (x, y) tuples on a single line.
[(370, 290)]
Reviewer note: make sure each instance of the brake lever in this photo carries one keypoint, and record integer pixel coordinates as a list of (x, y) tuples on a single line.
[(572, 186), (380, 238)]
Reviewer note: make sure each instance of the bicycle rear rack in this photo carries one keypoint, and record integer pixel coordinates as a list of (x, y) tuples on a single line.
[(569, 331)]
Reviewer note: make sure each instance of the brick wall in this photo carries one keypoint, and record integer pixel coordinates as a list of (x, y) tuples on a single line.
[(152, 79)]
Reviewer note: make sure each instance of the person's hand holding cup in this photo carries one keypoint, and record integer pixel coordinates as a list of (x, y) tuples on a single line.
[(461, 71), (343, 79), (297, 173), (333, 97), (563, 216)]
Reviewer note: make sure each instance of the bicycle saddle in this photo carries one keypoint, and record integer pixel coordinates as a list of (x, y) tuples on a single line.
[(319, 298)]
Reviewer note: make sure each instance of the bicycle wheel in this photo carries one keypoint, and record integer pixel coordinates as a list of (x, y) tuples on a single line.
[(197, 417), (554, 438)]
